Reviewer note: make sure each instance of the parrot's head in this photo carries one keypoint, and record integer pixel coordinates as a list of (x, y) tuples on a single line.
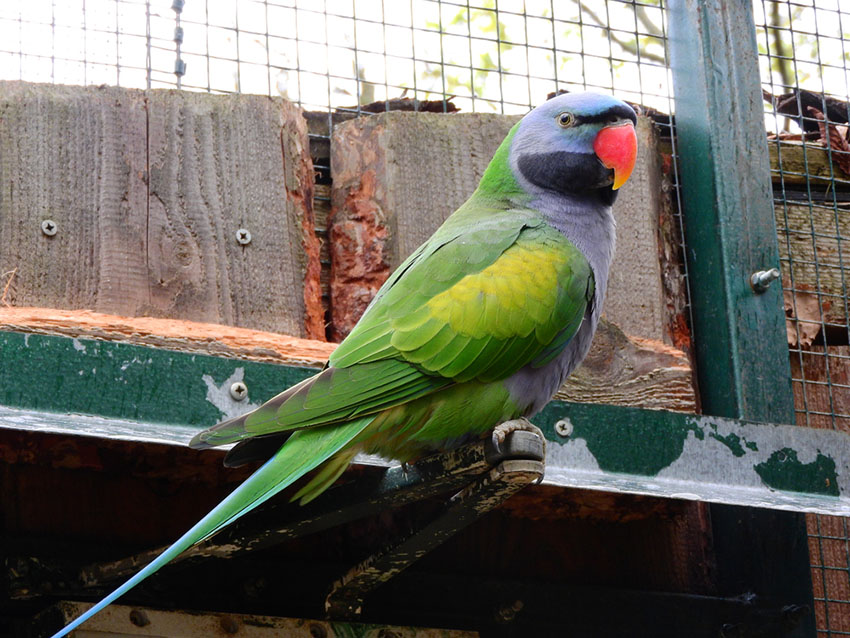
[(576, 142)]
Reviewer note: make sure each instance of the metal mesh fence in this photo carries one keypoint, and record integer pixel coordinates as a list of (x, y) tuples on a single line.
[(804, 50), (505, 56), (339, 57)]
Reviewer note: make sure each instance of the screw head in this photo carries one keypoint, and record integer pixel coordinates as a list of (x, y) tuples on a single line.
[(243, 236), (48, 227), (239, 391), (564, 427)]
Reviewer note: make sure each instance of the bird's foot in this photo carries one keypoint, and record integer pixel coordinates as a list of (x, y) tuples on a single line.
[(501, 431)]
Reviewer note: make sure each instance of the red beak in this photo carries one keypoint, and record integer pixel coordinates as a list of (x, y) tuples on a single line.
[(616, 147)]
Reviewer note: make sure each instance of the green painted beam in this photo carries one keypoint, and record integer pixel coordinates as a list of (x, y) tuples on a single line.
[(161, 396), (113, 379), (730, 232), (739, 335)]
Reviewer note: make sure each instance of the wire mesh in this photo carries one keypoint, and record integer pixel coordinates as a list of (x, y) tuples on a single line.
[(505, 56), (336, 57), (804, 52)]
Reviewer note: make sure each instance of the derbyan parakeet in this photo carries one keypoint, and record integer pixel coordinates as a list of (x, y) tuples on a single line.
[(480, 325)]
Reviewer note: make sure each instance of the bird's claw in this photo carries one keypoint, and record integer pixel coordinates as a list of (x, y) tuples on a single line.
[(501, 432)]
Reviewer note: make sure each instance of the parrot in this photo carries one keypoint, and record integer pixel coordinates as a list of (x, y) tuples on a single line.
[(474, 331)]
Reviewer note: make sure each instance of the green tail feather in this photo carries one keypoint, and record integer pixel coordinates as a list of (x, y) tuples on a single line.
[(304, 451)]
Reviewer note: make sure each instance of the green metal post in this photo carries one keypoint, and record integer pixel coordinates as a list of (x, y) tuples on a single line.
[(742, 356)]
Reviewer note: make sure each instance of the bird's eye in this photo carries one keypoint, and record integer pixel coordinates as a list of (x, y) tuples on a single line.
[(566, 120)]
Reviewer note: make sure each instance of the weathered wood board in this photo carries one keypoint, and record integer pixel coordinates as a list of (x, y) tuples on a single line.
[(147, 191), (619, 370), (135, 621), (397, 176)]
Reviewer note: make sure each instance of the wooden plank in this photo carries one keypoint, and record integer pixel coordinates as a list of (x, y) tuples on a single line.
[(147, 191), (171, 334), (121, 620), (619, 370), (76, 156), (397, 176), (218, 164), (797, 163)]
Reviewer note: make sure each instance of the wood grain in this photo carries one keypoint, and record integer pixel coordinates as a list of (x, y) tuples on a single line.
[(632, 371), (183, 336), (814, 250), (75, 156), (148, 190)]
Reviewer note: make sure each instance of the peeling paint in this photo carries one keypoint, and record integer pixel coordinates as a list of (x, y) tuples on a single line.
[(219, 395), (784, 471)]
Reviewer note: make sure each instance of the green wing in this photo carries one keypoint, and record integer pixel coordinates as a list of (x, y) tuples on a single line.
[(480, 305), (489, 293)]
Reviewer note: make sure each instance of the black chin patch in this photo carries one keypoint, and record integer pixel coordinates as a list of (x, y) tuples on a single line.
[(566, 172)]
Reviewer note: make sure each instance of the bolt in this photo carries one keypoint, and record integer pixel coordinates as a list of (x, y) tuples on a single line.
[(48, 227), (139, 618), (243, 236), (238, 391), (762, 279), (564, 427)]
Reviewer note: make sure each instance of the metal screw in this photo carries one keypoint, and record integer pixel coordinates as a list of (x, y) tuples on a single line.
[(243, 236), (239, 391), (762, 279), (48, 227), (564, 427)]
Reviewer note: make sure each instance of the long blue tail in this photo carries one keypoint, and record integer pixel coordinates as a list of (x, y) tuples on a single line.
[(304, 451)]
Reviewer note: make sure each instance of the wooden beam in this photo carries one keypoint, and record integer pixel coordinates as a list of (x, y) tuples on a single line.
[(740, 337), (123, 620), (619, 370)]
